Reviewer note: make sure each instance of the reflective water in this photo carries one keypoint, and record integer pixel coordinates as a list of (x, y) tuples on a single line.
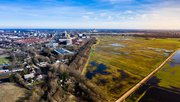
[(100, 69), (117, 45), (175, 59)]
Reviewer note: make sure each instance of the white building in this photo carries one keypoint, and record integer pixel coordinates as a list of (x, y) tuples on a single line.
[(68, 41), (28, 76), (4, 71)]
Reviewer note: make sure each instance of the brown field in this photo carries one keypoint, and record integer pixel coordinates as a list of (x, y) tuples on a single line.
[(11, 93)]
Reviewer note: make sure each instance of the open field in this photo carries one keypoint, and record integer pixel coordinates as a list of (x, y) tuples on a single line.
[(169, 76), (11, 93), (4, 60), (167, 79), (125, 61)]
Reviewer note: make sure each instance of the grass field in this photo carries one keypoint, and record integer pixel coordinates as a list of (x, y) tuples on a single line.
[(169, 79), (128, 60), (4, 60), (169, 76)]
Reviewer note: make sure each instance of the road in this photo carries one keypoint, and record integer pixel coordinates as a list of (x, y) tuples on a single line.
[(134, 88)]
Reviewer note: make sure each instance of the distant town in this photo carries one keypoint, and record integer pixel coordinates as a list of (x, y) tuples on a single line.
[(28, 50)]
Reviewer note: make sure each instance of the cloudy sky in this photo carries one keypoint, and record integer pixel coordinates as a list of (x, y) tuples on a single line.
[(116, 14)]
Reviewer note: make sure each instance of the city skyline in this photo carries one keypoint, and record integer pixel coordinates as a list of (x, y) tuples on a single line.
[(99, 14)]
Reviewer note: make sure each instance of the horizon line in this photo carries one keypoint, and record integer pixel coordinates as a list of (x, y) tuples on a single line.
[(90, 28)]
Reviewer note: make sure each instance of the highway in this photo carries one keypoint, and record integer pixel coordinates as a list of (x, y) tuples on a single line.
[(137, 86)]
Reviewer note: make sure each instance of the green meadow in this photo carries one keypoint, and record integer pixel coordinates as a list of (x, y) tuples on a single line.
[(128, 60), (4, 60), (169, 76)]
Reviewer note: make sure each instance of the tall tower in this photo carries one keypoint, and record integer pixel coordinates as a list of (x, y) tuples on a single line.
[(65, 34)]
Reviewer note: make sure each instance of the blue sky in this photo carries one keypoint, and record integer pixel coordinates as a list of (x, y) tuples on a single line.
[(116, 14)]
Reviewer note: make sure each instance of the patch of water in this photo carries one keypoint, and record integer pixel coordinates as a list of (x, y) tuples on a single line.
[(166, 54), (123, 74), (93, 63), (100, 69), (175, 59), (117, 45), (160, 49)]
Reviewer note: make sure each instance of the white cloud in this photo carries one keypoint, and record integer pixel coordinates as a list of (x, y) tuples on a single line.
[(116, 1), (128, 12), (89, 13), (155, 16), (163, 18), (86, 17), (103, 14), (109, 17)]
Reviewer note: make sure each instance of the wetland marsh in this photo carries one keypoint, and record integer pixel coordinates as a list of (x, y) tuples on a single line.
[(165, 84), (126, 61)]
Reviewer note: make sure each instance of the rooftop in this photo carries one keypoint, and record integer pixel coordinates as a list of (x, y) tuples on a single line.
[(63, 51)]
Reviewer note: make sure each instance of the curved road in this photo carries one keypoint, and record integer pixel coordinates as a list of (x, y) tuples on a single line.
[(134, 88)]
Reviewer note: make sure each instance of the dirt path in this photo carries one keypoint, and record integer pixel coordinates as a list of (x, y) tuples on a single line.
[(85, 66), (87, 62), (134, 88)]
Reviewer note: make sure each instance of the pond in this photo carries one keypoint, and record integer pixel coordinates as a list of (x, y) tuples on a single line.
[(175, 59), (100, 69), (164, 95)]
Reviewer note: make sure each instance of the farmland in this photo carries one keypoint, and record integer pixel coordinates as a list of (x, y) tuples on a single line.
[(117, 63)]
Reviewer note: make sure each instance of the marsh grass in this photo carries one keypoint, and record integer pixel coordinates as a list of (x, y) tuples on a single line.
[(134, 58)]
